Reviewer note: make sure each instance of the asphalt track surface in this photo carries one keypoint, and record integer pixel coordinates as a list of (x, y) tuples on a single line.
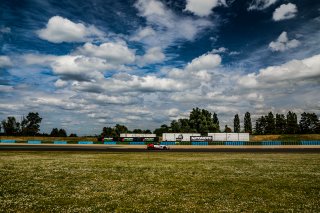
[(102, 148)]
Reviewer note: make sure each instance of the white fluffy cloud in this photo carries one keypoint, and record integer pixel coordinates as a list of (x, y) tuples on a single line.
[(204, 62), (114, 53), (261, 4), (131, 83), (169, 27), (60, 83), (80, 67), (283, 43), (5, 61), (153, 55), (291, 73), (285, 11), (60, 30), (203, 7), (143, 33)]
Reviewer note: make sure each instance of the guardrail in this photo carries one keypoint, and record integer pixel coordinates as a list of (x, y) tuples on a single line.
[(34, 142), (171, 143), (85, 142), (8, 141)]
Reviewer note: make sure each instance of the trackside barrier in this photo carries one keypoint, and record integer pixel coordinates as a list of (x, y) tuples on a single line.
[(60, 142), (168, 143), (310, 142), (110, 143), (8, 141), (271, 143), (234, 143), (85, 142), (199, 143), (137, 143), (34, 142)]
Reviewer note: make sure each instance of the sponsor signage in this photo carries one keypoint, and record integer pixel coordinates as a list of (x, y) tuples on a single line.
[(200, 138)]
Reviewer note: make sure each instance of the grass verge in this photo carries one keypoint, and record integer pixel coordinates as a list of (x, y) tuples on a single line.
[(159, 182)]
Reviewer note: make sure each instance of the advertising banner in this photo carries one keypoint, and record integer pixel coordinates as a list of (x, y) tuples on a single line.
[(201, 138)]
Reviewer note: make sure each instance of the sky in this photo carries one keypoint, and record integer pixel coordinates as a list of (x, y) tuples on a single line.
[(86, 64)]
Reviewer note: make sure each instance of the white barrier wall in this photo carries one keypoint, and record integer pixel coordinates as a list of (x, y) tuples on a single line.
[(232, 137), (218, 136), (229, 136), (244, 137), (178, 136), (130, 135)]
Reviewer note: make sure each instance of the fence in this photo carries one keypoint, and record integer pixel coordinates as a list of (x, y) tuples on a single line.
[(171, 143)]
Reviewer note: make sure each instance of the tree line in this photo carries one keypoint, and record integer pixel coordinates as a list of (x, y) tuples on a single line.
[(199, 121), (202, 121), (29, 126)]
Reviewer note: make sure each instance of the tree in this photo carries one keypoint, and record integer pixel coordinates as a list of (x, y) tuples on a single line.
[(11, 126), (215, 121), (247, 123), (201, 120), (280, 124), (292, 126), (31, 124), (236, 124), (108, 132), (73, 135), (54, 132), (309, 123), (147, 131), (62, 133), (270, 124), (163, 129), (260, 126), (137, 131), (120, 129)]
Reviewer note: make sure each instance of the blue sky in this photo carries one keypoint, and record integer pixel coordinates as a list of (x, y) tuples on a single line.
[(87, 64)]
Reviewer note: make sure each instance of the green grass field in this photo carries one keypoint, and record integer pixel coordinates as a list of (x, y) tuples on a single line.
[(159, 182)]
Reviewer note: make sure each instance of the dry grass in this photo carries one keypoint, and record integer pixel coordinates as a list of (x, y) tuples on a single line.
[(40, 138), (159, 182), (296, 137)]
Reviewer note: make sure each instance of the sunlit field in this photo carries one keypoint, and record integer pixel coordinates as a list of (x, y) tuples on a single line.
[(158, 182)]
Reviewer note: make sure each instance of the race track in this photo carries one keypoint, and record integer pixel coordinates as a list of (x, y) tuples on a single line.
[(140, 148)]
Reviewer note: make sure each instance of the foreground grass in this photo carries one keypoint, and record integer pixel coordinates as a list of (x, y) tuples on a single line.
[(158, 182)]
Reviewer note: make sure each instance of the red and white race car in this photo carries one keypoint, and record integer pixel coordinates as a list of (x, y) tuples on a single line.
[(157, 147)]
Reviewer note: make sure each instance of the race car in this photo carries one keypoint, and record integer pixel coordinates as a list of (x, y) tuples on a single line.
[(157, 147)]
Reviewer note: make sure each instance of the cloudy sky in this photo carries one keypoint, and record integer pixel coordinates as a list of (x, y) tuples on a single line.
[(142, 63)]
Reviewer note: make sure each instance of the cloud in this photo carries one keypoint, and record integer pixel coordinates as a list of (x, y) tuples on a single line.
[(60, 83), (169, 28), (153, 55), (143, 33), (223, 50), (285, 11), (5, 30), (204, 62), (103, 99), (77, 67), (290, 74), (131, 83), (261, 4), (6, 88), (204, 7), (114, 53), (80, 68), (5, 61), (60, 30), (283, 43)]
